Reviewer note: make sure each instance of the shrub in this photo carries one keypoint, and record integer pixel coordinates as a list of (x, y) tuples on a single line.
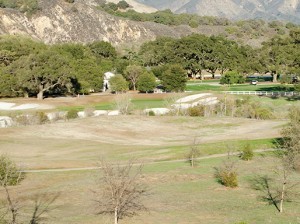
[(229, 179), (24, 119), (123, 5), (9, 172), (227, 175), (247, 153), (41, 117), (72, 114), (263, 113), (253, 110), (89, 112), (123, 104), (151, 113), (196, 111)]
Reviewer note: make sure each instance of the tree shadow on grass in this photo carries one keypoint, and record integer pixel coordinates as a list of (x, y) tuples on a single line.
[(278, 88), (263, 184)]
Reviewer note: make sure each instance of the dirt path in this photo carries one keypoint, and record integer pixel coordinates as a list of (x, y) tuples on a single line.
[(147, 163)]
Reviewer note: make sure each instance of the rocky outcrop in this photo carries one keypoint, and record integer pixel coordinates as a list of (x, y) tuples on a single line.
[(58, 21), (5, 122)]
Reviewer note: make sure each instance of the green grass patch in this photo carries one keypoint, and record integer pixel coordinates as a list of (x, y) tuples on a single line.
[(180, 152), (105, 106), (203, 87), (68, 108), (242, 87)]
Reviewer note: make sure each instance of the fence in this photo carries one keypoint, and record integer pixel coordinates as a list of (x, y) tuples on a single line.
[(262, 93)]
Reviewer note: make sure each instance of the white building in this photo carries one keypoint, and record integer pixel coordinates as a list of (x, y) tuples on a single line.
[(106, 78)]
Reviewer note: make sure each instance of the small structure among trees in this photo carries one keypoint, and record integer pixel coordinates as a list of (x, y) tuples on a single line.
[(106, 78)]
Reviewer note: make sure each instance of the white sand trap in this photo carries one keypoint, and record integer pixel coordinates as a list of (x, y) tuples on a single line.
[(12, 106), (213, 102), (157, 111), (6, 106), (206, 101), (25, 107), (113, 113), (182, 106), (192, 97), (98, 113)]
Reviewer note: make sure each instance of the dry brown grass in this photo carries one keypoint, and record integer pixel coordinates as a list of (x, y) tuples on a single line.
[(78, 143)]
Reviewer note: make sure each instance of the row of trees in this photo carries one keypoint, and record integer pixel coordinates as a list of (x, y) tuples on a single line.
[(172, 78), (32, 68), (197, 53), (29, 68)]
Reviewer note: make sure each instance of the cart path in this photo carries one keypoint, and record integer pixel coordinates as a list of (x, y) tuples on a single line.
[(147, 163)]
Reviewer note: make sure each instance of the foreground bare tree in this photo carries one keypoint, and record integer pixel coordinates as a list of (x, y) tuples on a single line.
[(123, 104), (283, 186), (120, 190), (291, 135), (193, 153), (42, 205), (10, 175)]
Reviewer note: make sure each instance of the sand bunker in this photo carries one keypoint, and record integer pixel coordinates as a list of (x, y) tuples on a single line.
[(28, 106), (192, 97), (201, 98)]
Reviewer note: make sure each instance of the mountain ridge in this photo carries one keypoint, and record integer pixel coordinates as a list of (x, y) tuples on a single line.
[(58, 21), (287, 10)]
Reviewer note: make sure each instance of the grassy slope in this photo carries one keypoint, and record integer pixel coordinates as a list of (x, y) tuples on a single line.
[(179, 194)]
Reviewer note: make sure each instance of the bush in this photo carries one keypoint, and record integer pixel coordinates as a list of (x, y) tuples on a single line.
[(253, 110), (197, 111), (227, 175), (41, 117), (9, 172), (263, 113), (72, 114), (123, 104), (89, 112), (151, 113), (247, 153), (229, 179), (123, 5)]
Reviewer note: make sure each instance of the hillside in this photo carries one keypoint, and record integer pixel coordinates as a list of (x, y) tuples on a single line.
[(58, 21), (288, 10)]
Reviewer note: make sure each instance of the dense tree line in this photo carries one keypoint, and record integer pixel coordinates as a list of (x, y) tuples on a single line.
[(198, 53), (30, 68)]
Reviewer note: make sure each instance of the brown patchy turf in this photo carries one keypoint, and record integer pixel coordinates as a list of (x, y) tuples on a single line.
[(78, 143), (83, 100)]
